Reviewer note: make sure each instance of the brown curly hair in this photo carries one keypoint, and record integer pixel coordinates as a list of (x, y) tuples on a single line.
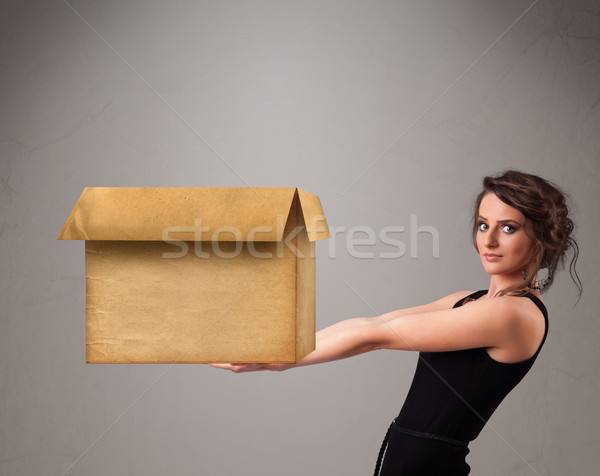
[(544, 204)]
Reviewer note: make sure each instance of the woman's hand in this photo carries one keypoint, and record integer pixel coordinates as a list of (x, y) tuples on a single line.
[(238, 368)]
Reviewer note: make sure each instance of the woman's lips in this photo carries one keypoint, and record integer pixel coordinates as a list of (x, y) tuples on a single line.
[(492, 257)]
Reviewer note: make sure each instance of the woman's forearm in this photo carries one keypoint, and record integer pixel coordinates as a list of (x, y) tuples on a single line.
[(346, 341), (338, 326)]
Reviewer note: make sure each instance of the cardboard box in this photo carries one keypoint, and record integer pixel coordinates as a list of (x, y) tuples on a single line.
[(192, 274)]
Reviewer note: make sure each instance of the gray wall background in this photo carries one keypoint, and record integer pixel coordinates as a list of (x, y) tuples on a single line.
[(383, 109)]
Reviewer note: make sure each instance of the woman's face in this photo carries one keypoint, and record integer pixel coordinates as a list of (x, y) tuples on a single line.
[(503, 235)]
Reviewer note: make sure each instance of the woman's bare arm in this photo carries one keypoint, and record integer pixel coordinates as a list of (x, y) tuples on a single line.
[(483, 323), (443, 303), (350, 337)]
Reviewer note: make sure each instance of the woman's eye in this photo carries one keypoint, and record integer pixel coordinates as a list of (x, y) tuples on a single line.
[(509, 229), (480, 225)]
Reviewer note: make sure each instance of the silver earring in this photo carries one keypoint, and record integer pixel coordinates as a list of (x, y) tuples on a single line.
[(525, 276), (546, 281), (543, 283)]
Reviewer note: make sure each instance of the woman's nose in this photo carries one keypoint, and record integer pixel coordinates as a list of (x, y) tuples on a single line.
[(490, 239)]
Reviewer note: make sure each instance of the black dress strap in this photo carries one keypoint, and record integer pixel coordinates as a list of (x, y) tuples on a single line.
[(473, 295), (542, 308)]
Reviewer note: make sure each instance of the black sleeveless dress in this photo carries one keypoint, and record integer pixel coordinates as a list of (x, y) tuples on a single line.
[(452, 396)]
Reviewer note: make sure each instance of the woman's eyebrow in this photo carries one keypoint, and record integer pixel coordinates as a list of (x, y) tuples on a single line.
[(503, 221)]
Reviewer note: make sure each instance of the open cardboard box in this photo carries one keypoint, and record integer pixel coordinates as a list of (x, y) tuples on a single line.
[(194, 274)]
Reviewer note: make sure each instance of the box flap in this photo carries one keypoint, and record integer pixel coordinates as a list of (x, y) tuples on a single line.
[(314, 218), (189, 214)]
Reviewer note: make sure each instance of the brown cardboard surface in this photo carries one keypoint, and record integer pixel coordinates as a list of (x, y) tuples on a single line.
[(190, 309), (218, 301), (313, 216), (305, 293), (189, 213)]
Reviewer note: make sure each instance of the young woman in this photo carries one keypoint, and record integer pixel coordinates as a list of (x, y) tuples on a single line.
[(474, 346)]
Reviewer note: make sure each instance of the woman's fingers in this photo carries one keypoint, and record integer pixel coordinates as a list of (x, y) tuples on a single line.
[(238, 368), (221, 366)]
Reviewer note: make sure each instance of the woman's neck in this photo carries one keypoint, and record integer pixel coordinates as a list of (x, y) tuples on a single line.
[(499, 282)]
